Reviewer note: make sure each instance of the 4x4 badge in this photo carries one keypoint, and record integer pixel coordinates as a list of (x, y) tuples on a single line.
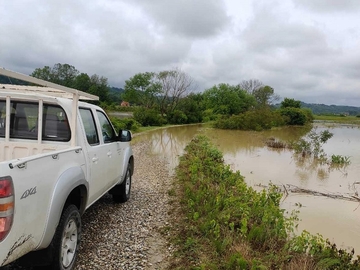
[(28, 192)]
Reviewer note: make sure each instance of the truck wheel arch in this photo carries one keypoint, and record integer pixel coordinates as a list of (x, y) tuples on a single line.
[(71, 188)]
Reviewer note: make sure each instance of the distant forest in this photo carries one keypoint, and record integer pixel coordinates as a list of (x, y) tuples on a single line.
[(322, 109)]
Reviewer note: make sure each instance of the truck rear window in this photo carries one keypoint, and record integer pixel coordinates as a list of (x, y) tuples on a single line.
[(24, 121)]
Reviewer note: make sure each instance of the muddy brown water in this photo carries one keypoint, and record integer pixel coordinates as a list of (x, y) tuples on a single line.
[(245, 151)]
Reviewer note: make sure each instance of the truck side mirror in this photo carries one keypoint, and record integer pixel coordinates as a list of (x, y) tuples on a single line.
[(124, 135)]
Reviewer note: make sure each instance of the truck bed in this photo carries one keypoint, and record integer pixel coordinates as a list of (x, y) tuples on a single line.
[(16, 149)]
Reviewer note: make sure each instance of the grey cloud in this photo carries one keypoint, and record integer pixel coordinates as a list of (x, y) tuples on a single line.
[(324, 6), (118, 39), (267, 33), (297, 61), (192, 19)]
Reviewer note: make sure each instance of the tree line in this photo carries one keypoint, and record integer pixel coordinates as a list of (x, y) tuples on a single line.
[(170, 97)]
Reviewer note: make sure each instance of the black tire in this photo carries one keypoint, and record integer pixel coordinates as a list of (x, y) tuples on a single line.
[(121, 193), (66, 240)]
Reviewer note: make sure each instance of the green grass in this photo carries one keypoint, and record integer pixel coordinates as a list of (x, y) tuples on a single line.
[(221, 223), (338, 118)]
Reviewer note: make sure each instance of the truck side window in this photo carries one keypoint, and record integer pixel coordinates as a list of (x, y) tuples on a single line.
[(24, 121), (55, 124), (107, 130), (89, 126), (2, 118)]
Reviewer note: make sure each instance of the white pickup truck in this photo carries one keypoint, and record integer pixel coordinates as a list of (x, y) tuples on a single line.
[(58, 156)]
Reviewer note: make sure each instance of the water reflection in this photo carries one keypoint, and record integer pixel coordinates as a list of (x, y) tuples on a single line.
[(245, 151)]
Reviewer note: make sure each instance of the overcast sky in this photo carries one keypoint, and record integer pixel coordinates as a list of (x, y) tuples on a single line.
[(308, 50)]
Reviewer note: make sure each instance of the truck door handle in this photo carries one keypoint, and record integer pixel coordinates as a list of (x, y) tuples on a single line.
[(95, 159), (109, 153)]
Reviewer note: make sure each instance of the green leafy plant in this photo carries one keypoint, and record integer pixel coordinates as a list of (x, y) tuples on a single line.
[(312, 145), (126, 123), (258, 120), (339, 160), (224, 224)]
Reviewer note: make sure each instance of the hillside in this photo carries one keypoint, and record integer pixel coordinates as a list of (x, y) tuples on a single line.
[(331, 109), (115, 94)]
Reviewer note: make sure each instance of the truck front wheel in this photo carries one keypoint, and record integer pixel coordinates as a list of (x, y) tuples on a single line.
[(121, 193), (66, 240)]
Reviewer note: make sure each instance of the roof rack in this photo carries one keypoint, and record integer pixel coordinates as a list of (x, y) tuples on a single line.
[(46, 88), (49, 89)]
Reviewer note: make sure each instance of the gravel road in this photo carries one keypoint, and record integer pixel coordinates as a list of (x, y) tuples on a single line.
[(128, 236)]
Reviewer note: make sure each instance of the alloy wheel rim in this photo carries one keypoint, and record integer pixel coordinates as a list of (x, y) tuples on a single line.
[(69, 243), (127, 183)]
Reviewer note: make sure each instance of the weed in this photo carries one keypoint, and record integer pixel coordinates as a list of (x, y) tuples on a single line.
[(224, 224), (339, 160), (312, 146), (274, 143)]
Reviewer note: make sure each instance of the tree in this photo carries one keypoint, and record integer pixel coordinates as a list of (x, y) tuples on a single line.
[(175, 84), (294, 116), (290, 103), (68, 75), (226, 99), (265, 96), (251, 85), (99, 87), (44, 73), (63, 74), (192, 107), (142, 89), (82, 82)]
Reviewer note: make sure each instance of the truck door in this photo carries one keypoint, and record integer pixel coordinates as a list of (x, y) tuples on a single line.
[(99, 156), (112, 146)]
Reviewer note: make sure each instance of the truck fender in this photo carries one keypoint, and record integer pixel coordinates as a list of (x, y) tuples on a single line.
[(69, 180), (130, 161)]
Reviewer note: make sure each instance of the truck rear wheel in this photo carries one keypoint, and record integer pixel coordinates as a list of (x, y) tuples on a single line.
[(67, 239), (121, 193)]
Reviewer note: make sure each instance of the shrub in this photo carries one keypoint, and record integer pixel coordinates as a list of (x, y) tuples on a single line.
[(177, 117), (251, 120), (312, 145), (296, 116), (222, 208), (339, 160), (125, 123), (209, 115), (148, 117), (224, 224)]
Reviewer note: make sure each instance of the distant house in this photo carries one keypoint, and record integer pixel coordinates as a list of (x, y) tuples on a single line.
[(125, 104)]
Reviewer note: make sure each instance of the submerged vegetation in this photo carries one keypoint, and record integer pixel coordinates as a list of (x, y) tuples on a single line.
[(311, 147), (224, 224)]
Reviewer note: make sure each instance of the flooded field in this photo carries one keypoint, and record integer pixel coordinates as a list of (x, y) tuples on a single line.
[(245, 151)]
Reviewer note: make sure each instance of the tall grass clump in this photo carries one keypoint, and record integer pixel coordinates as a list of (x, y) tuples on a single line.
[(224, 224), (126, 123), (223, 212), (251, 120)]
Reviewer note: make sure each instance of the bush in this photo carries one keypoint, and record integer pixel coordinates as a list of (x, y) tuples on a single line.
[(296, 116), (251, 120), (177, 117), (225, 224), (309, 114), (222, 208), (209, 115), (126, 123), (148, 117)]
